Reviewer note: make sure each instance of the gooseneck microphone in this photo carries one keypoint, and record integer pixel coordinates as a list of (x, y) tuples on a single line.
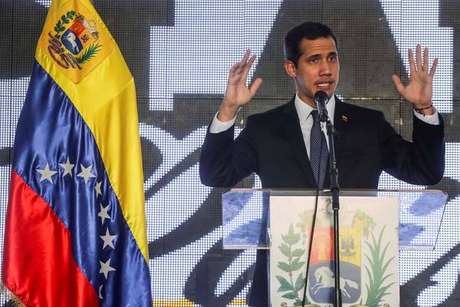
[(321, 99)]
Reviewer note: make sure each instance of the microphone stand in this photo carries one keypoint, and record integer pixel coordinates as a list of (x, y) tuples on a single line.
[(335, 190)]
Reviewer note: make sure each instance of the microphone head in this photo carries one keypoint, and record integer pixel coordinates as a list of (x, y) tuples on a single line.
[(321, 99), (321, 96)]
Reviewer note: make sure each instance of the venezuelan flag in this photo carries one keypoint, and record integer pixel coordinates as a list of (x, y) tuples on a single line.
[(75, 231)]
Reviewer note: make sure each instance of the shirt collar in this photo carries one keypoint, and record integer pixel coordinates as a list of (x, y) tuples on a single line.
[(304, 109)]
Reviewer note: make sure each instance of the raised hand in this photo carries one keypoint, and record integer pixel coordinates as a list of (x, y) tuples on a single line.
[(419, 90), (238, 93)]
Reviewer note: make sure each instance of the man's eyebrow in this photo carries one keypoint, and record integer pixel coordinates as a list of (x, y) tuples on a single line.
[(314, 56), (317, 55)]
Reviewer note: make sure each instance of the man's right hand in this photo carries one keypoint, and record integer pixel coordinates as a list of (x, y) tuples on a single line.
[(238, 93)]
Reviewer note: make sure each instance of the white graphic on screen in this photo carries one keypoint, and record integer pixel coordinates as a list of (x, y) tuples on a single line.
[(444, 281), (412, 22), (207, 38), (45, 3)]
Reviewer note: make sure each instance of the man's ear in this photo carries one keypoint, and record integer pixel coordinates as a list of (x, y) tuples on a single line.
[(290, 68)]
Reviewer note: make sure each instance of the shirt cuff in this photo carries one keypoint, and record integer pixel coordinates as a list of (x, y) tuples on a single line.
[(432, 119), (218, 126)]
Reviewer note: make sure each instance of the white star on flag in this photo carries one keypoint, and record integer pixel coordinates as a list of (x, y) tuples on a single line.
[(106, 268), (86, 173), (46, 173), (108, 239), (104, 213), (98, 188), (67, 166)]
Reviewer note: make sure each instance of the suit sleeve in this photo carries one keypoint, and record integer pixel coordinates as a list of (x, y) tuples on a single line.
[(418, 162), (224, 161)]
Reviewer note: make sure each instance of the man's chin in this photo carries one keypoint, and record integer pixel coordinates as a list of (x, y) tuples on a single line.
[(329, 91)]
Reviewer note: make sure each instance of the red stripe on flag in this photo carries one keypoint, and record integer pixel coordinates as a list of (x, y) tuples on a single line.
[(38, 265)]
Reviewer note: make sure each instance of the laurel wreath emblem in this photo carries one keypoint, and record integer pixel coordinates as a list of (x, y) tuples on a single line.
[(89, 53), (65, 19), (293, 282)]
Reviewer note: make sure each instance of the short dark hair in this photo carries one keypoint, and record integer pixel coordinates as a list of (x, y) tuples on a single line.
[(306, 30)]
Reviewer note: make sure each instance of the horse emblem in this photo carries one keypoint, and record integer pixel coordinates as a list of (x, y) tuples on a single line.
[(324, 279), (321, 278)]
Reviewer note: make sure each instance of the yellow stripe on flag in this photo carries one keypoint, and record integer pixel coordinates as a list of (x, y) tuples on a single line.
[(101, 87)]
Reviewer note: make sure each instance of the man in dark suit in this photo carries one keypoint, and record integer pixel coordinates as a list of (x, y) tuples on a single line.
[(278, 145)]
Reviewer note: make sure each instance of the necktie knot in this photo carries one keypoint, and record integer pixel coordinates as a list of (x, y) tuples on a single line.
[(314, 114)]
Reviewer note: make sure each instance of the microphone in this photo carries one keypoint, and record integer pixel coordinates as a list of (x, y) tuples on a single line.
[(320, 99)]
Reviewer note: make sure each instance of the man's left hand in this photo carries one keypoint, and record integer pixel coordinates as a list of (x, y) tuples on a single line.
[(419, 91)]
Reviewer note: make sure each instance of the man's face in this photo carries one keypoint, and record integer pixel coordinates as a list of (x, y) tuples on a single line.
[(317, 68)]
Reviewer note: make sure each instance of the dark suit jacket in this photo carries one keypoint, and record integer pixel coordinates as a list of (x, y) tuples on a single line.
[(272, 146)]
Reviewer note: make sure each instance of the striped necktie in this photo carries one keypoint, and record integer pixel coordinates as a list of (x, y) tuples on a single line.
[(319, 153)]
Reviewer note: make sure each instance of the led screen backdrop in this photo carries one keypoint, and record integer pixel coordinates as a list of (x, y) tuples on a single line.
[(179, 53)]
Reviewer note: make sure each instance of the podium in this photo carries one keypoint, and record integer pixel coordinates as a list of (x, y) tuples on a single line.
[(374, 226)]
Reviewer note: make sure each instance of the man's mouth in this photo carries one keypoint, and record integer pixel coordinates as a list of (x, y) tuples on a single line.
[(324, 84)]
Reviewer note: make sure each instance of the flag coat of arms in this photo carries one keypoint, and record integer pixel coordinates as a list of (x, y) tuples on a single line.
[(75, 232)]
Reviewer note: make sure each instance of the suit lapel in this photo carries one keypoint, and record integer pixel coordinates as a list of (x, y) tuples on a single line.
[(293, 133), (342, 123)]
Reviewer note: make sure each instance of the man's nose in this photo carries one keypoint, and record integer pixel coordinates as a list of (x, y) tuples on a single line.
[(325, 68)]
